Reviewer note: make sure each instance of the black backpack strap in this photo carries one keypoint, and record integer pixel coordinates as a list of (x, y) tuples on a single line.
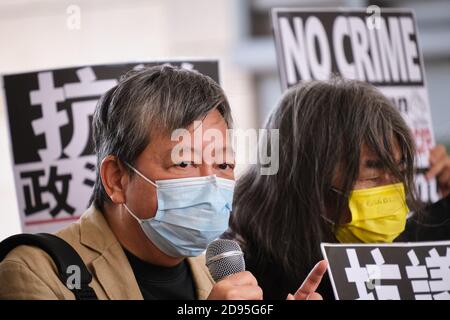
[(62, 253)]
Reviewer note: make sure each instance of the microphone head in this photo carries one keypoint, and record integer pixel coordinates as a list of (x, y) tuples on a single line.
[(223, 258)]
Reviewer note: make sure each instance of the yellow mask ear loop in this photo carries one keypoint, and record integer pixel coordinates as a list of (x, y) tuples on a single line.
[(341, 193), (328, 220)]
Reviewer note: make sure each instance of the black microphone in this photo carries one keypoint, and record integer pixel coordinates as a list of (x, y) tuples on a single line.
[(224, 258)]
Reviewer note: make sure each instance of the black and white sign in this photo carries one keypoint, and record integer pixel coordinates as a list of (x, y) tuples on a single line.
[(380, 47), (399, 271), (50, 114)]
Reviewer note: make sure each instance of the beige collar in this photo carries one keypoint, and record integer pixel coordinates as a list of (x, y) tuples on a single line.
[(112, 268)]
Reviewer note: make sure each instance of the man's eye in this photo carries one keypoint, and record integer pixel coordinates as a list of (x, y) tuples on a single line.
[(182, 164), (224, 166)]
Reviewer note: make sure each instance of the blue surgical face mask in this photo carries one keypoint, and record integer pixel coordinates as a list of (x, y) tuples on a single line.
[(191, 213)]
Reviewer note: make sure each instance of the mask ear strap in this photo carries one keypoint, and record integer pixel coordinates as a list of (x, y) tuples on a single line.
[(328, 220), (132, 214), (339, 192), (140, 174)]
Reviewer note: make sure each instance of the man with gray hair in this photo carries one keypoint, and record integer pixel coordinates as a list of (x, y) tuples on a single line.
[(151, 217)]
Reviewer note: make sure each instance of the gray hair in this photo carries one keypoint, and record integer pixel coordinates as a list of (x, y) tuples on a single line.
[(156, 99)]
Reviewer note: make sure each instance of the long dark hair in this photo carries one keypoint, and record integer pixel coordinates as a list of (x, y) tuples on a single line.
[(322, 127)]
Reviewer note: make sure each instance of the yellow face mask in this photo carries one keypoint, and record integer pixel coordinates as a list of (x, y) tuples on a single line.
[(378, 215)]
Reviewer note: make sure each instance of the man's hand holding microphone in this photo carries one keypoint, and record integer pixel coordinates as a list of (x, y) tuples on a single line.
[(226, 264)]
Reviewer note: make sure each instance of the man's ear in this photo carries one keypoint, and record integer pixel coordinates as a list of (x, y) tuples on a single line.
[(113, 173)]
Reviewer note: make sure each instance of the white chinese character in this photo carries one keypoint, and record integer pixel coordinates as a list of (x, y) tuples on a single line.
[(421, 288), (439, 267), (48, 96), (369, 277), (82, 110)]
